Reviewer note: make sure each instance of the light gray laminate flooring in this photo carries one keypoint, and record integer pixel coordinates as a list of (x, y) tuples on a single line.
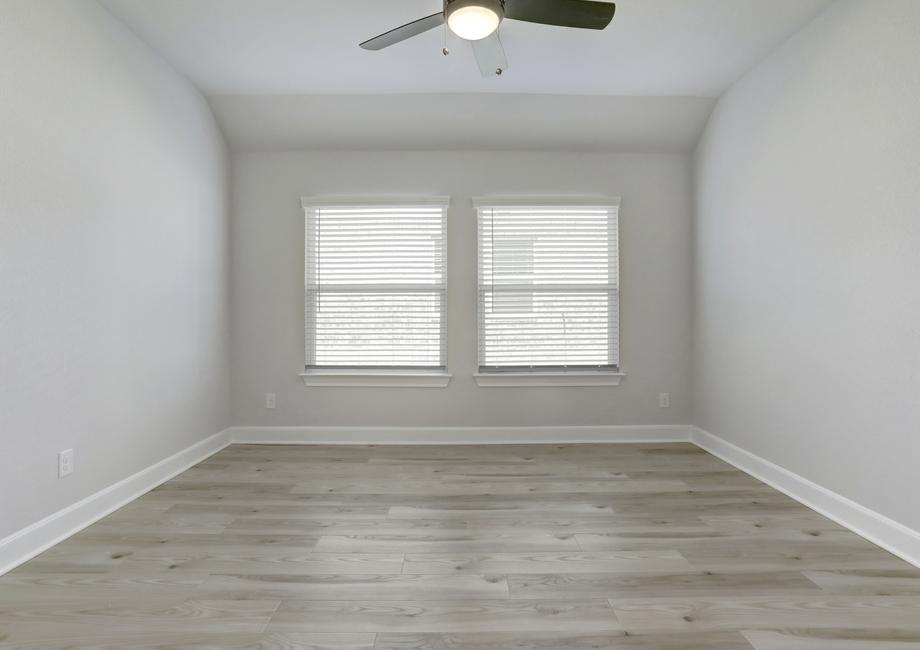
[(639, 546)]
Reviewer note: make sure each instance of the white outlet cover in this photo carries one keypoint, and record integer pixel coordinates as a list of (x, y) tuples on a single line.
[(65, 463)]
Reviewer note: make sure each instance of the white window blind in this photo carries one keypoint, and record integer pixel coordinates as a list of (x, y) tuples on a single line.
[(375, 280), (548, 286)]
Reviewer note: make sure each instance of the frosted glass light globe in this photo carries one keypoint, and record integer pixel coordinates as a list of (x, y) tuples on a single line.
[(473, 22)]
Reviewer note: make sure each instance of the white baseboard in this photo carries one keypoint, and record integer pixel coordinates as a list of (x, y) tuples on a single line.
[(892, 536), (25, 544), (457, 435)]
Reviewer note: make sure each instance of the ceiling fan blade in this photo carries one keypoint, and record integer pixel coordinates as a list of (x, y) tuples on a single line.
[(564, 13), (408, 30), (490, 55)]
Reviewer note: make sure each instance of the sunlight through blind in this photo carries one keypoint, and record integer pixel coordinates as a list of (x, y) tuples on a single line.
[(375, 280), (548, 286)]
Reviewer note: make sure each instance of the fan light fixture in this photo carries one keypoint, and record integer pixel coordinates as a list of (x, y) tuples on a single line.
[(477, 21), (473, 20)]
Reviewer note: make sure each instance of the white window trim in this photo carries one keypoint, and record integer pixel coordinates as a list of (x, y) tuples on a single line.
[(368, 378), (561, 378), (384, 377), (543, 202), (308, 202), (548, 378)]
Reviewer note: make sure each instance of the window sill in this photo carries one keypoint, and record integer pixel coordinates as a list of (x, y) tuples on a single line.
[(574, 378), (388, 378)]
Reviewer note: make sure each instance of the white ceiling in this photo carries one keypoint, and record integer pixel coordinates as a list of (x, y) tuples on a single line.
[(461, 122), (304, 47)]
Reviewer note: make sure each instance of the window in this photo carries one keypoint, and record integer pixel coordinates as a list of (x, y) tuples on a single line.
[(375, 286), (548, 287)]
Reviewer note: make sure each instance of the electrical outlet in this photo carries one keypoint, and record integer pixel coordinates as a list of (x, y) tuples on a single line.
[(270, 400), (664, 400), (65, 463)]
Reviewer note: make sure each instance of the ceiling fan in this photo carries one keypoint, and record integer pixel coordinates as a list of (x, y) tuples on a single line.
[(477, 21)]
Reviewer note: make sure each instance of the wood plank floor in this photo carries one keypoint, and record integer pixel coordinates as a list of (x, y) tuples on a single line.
[(646, 547)]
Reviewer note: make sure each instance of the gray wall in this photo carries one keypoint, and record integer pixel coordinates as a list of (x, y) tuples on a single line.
[(113, 257), (807, 258), (268, 348)]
